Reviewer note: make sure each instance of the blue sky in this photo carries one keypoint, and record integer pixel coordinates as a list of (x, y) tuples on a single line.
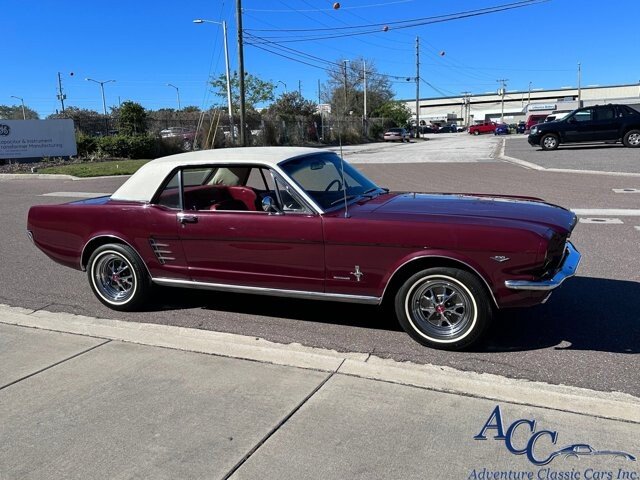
[(144, 45)]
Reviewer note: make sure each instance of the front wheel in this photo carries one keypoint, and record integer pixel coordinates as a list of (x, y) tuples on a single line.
[(631, 139), (549, 141), (445, 308), (476, 132), (118, 277)]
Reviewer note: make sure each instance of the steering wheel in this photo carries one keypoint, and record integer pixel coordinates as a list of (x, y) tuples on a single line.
[(337, 182)]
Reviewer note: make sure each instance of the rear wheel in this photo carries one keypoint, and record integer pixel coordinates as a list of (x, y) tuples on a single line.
[(118, 277), (445, 308), (631, 139), (549, 141), (476, 132)]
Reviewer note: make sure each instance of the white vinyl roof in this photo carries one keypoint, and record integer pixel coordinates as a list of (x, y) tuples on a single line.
[(145, 182)]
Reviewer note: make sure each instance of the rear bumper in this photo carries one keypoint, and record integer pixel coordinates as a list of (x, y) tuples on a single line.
[(567, 269)]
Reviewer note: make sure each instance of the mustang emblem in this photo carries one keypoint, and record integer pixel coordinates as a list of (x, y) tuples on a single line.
[(358, 274), (500, 258)]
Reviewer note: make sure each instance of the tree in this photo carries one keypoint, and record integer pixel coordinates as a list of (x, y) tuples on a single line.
[(257, 91), (378, 88), (86, 121), (292, 104), (398, 112), (14, 112), (132, 118)]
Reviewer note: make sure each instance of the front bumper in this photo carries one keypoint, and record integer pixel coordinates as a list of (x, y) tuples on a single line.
[(534, 139), (567, 269)]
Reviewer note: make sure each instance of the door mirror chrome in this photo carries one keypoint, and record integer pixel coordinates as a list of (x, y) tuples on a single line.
[(269, 206)]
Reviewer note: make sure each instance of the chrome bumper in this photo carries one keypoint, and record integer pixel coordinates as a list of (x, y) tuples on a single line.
[(566, 270)]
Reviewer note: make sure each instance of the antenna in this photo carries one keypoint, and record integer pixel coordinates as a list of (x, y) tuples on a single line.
[(344, 120)]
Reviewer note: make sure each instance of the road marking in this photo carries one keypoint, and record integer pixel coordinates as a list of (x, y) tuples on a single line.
[(637, 228), (606, 212), (626, 190), (609, 221), (76, 194)]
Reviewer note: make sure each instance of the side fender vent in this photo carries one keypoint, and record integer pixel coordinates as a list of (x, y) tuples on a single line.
[(162, 251)]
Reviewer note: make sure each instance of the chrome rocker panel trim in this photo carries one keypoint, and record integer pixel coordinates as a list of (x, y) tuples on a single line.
[(567, 269), (273, 292)]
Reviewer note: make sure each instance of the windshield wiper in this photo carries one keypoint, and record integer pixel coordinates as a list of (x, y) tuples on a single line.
[(342, 199)]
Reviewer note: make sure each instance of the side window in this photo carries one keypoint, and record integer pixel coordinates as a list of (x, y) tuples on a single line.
[(584, 115), (288, 198), (170, 195), (606, 113)]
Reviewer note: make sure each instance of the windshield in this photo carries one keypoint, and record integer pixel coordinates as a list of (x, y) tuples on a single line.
[(321, 177)]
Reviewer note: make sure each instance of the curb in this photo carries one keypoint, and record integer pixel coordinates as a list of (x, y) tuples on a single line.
[(38, 176), (612, 406)]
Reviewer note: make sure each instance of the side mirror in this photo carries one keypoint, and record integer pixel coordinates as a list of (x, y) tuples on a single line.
[(269, 206), (572, 120)]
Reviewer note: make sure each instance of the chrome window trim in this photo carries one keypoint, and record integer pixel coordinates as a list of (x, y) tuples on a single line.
[(274, 292), (446, 258)]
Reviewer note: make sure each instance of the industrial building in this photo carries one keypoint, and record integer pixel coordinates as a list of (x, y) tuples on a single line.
[(515, 106)]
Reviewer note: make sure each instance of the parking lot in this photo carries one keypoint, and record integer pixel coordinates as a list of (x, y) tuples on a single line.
[(586, 335)]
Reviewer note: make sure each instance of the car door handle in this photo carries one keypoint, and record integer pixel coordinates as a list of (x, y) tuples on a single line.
[(185, 218)]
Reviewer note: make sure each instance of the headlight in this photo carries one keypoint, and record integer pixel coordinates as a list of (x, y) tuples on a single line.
[(534, 130)]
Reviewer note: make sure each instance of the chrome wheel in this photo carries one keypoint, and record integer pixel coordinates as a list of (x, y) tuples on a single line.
[(633, 139), (550, 142), (113, 277), (441, 308)]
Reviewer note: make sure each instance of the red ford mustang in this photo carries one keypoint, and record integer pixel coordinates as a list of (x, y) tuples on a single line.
[(298, 222)]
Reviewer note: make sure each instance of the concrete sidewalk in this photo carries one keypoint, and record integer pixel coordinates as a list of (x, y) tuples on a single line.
[(92, 398)]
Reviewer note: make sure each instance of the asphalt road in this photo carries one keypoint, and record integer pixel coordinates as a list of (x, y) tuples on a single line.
[(587, 335), (599, 157)]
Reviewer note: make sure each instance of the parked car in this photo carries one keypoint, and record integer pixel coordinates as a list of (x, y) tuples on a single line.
[(487, 127), (428, 130), (394, 134), (501, 129), (521, 127), (447, 129), (556, 116), (185, 134), (302, 223), (599, 123), (534, 120)]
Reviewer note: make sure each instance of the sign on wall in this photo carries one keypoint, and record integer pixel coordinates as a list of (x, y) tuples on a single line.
[(37, 138)]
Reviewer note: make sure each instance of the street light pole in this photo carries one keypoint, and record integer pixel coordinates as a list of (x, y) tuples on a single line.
[(104, 103), (579, 85), (24, 116), (228, 73), (284, 84), (177, 93), (503, 91), (243, 136)]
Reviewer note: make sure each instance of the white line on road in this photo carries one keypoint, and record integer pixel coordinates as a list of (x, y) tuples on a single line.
[(626, 190), (76, 194), (608, 212), (610, 221)]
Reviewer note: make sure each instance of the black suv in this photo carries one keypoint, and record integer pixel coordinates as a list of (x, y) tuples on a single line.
[(598, 123)]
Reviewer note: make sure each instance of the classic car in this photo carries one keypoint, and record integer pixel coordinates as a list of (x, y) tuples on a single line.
[(301, 222)]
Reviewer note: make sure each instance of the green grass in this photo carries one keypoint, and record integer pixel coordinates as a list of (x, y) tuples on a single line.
[(97, 169)]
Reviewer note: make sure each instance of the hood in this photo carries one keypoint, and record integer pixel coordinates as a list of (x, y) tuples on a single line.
[(477, 207)]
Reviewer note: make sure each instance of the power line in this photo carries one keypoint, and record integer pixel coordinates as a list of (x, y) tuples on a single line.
[(266, 10)]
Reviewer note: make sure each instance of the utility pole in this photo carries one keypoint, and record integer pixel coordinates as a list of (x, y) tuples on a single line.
[(321, 113), (345, 86), (579, 85), (417, 87), (243, 136), (529, 98), (465, 101), (364, 110), (502, 92), (61, 96)]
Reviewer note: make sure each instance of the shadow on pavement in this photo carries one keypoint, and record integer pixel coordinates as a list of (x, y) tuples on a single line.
[(585, 314)]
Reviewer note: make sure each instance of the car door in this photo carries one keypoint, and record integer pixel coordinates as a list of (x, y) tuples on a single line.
[(579, 126), (608, 123), (228, 239)]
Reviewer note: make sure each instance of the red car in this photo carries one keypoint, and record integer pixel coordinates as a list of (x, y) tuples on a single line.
[(487, 127), (300, 222)]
